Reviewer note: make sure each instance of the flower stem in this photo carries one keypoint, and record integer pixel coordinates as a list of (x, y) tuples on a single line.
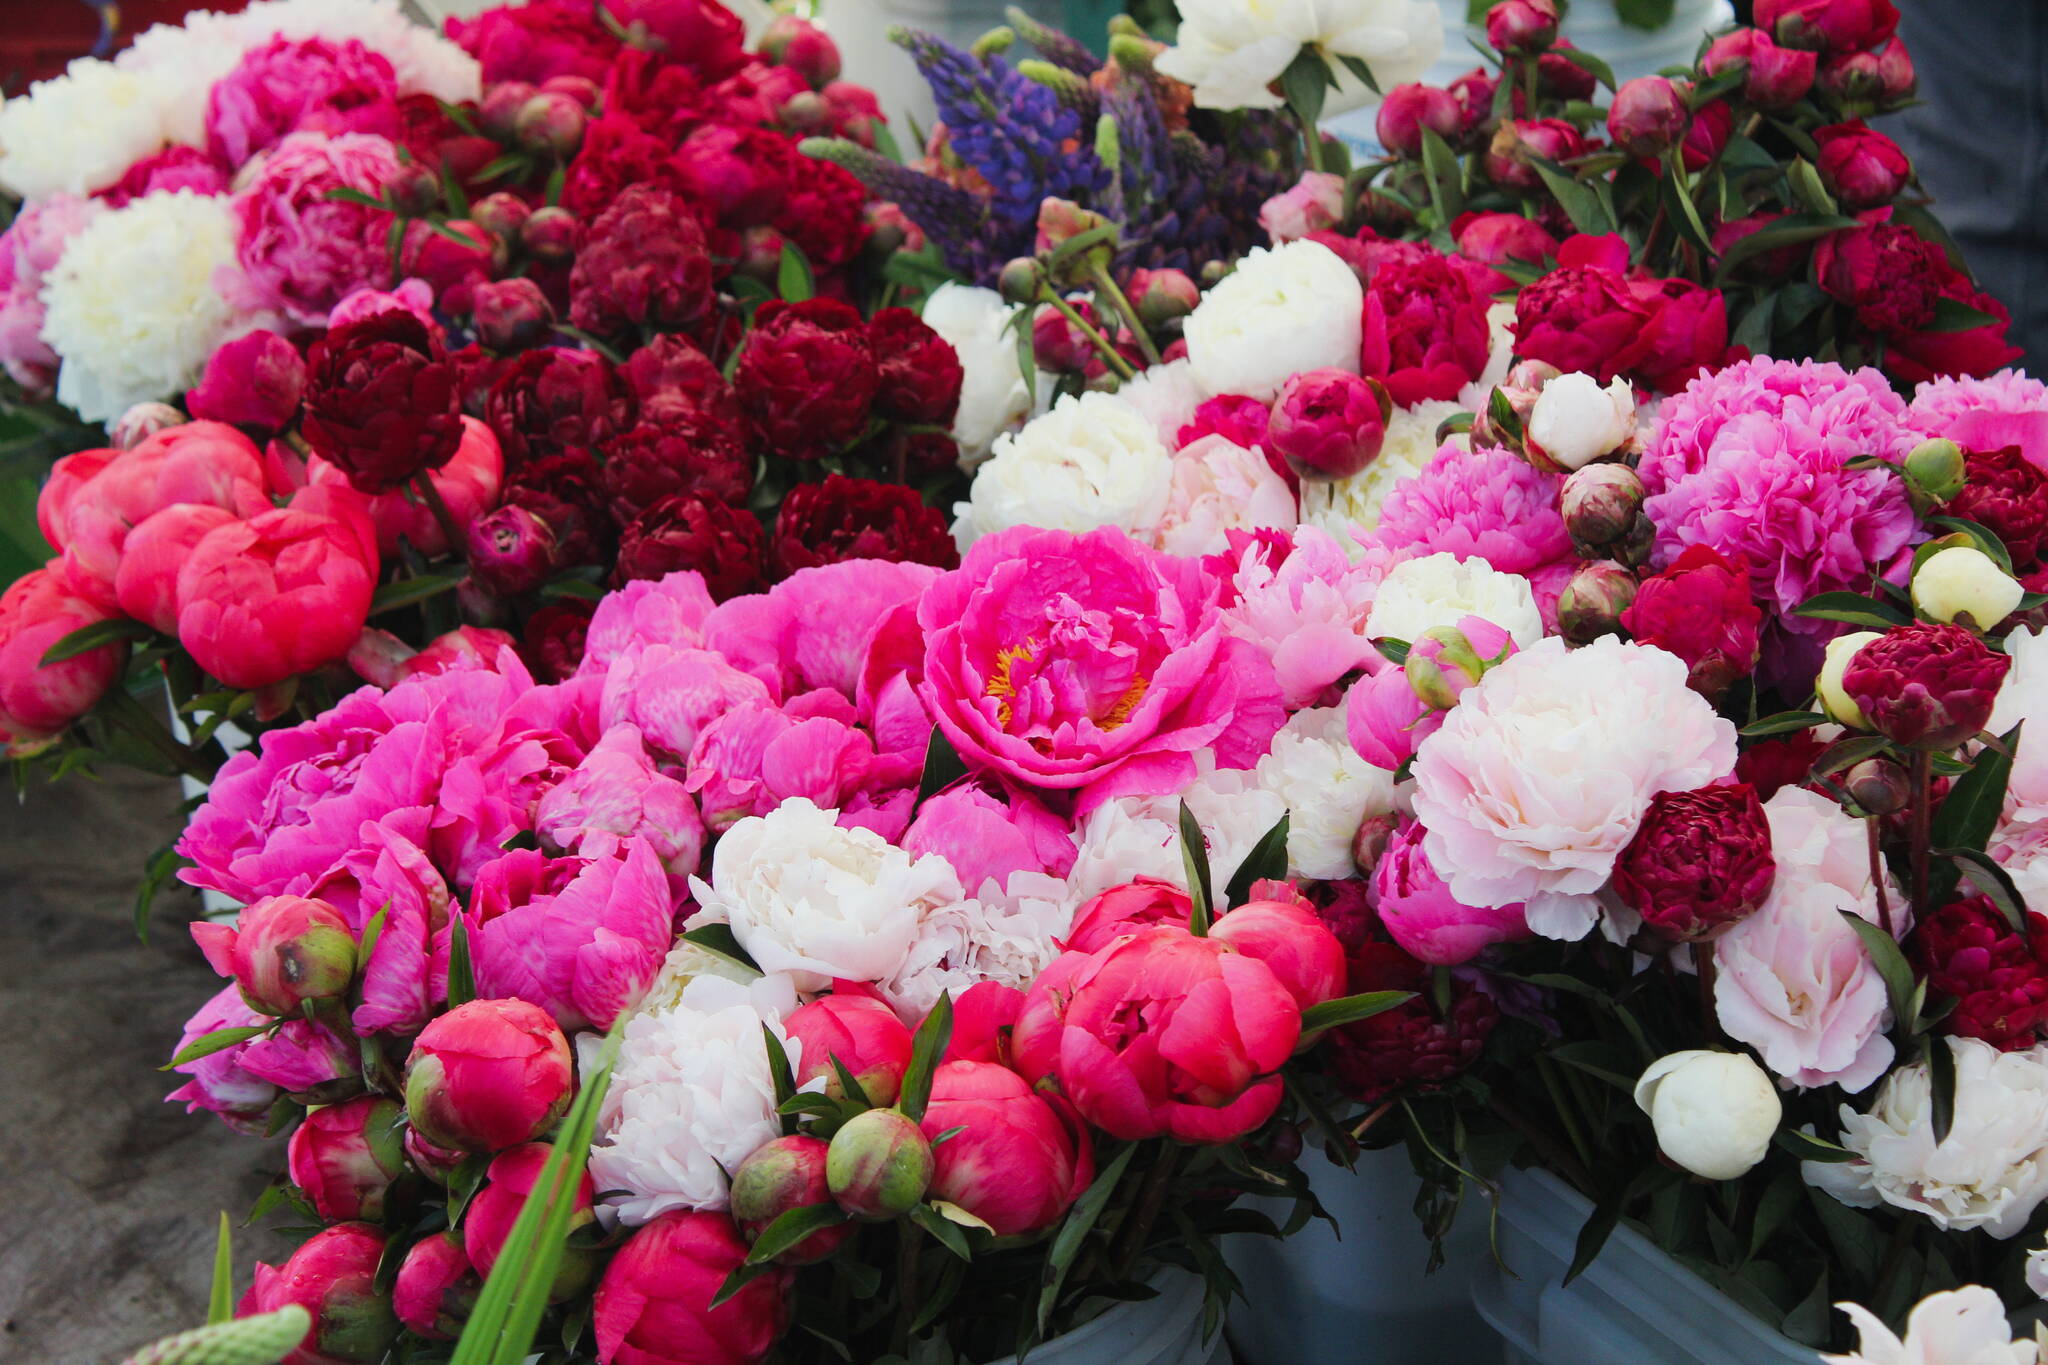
[(908, 1235), (1877, 878), (1703, 960), (1923, 815), (424, 483), (1137, 1229), (1105, 283), (1311, 139), (1554, 1156), (1117, 364)]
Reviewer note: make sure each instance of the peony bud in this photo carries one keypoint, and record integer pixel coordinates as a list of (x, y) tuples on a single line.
[(783, 1174), (1926, 686), (1329, 424), (1838, 705), (1778, 77), (1649, 116), (345, 1156), (435, 1163), (549, 235), (1369, 844), (1389, 714), (1863, 169), (1021, 281), (502, 214), (1059, 222), (412, 190), (1963, 584), (1853, 79), (511, 315), (141, 422), (865, 1037), (1878, 786), (1601, 505), (436, 1287), (1517, 143), (1162, 296), (1895, 69), (488, 1075), (1408, 109), (803, 47), (1574, 421), (879, 1165), (1714, 1112), (333, 1276), (1592, 602), (806, 115), (1214, 273), (498, 112), (511, 551), (282, 951), (1449, 659), (1936, 471), (1522, 27), (582, 89), (487, 1221), (550, 124)]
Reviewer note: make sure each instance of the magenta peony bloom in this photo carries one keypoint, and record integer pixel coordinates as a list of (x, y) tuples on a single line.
[(2008, 409), (406, 976), (311, 1062), (255, 380), (1700, 861), (990, 838), (672, 694), (1090, 662), (755, 756), (299, 85), (334, 1278), (1838, 411), (1425, 326), (615, 794), (583, 938), (654, 1305), (343, 1157), (38, 701), (812, 629), (218, 1083), (648, 611), (301, 252), (176, 167), (1422, 915), (1486, 503)]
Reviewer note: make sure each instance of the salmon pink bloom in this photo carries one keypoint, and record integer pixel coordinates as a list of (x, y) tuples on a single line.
[(861, 1033), (1017, 1159), (282, 593), (37, 701)]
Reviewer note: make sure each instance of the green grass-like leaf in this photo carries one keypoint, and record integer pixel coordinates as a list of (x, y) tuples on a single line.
[(220, 1297)]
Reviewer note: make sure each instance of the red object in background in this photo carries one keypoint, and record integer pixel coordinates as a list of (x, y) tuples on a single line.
[(39, 38)]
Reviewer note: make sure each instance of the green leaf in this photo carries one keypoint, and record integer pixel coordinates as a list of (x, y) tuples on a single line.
[(720, 939), (942, 767), (948, 1233), (1987, 540), (779, 1070), (791, 1227), (220, 1297), (502, 165), (1808, 1147), (1349, 1009), (1783, 723), (742, 1275), (927, 1046), (1891, 964), (1074, 1230), (1969, 814), (344, 195), (1394, 651), (1305, 81), (1791, 230), (1597, 1229), (849, 1084), (1993, 882), (1590, 64), (1267, 861), (1194, 857), (88, 638), (1445, 175), (1578, 200), (793, 278), (1677, 197), (1854, 608), (1808, 189), (220, 1040), (408, 592), (1357, 66), (1953, 315), (1941, 1077), (461, 974)]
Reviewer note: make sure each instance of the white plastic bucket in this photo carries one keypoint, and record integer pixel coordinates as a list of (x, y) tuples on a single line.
[(1166, 1330)]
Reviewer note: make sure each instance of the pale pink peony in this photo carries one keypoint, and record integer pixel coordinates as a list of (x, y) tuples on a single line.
[(1306, 609), (292, 86), (1488, 503), (414, 296), (811, 630), (2008, 409), (647, 611), (988, 839), (1794, 980), (1315, 203), (615, 794), (1091, 663), (29, 249), (1220, 487), (1539, 776), (300, 252), (581, 938)]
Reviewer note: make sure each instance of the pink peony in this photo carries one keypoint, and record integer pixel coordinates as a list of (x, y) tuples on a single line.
[(1017, 1159), (304, 85), (988, 839), (411, 295), (755, 756), (38, 701), (1217, 488), (311, 1062), (405, 978), (1539, 776), (614, 794), (1487, 503), (254, 381), (1389, 713), (1417, 907), (1315, 203), (811, 630), (1836, 411), (176, 167), (301, 252), (650, 611), (218, 1083), (30, 249), (1306, 611), (283, 593), (1426, 335), (581, 938), (671, 694), (1090, 662), (146, 584), (2008, 409)]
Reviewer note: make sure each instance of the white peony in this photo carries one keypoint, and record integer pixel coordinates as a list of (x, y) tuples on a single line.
[(691, 1097), (1543, 770), (1218, 487), (1963, 1326), (2024, 697), (1328, 788), (1139, 836), (1168, 396), (966, 942), (1419, 595), (1092, 461), (81, 131), (1281, 312), (1714, 1112), (993, 396), (1576, 421), (809, 898), (1991, 1172), (132, 311), (1835, 660), (1346, 507), (1232, 51)]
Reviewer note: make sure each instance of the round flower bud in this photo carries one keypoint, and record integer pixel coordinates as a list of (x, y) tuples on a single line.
[(1964, 584), (345, 1156), (1649, 116), (333, 1276), (803, 47), (502, 214), (143, 421), (807, 114), (1522, 26), (1163, 296), (1926, 686), (436, 1287), (412, 189), (1573, 421), (487, 1221), (879, 1165), (1021, 281), (1601, 504), (582, 89), (1369, 845), (498, 112), (1937, 469), (549, 235), (1408, 109), (1838, 705), (1878, 786), (862, 1034), (1699, 861), (783, 1174), (1329, 424), (283, 951), (511, 315), (1594, 599), (488, 1075), (1715, 1112), (511, 551), (1864, 169)]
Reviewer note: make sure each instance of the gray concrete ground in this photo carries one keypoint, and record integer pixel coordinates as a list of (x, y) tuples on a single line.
[(108, 1196)]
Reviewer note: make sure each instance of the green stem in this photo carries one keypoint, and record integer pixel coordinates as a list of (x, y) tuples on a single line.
[(1548, 1070), (907, 1300), (1105, 283), (1877, 878), (1118, 366), (1311, 139), (1137, 1229), (424, 483)]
